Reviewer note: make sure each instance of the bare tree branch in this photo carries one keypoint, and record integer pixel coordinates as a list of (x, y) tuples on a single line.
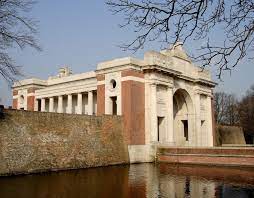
[(16, 30), (183, 20)]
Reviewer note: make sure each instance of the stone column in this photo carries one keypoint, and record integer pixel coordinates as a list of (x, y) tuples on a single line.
[(60, 104), (69, 104), (90, 103), (43, 104), (209, 122), (51, 104), (36, 104), (170, 127), (79, 110), (199, 136), (154, 119)]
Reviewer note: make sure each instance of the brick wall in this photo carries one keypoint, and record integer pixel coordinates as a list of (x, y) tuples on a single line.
[(100, 99), (207, 156), (30, 103), (133, 108), (37, 141)]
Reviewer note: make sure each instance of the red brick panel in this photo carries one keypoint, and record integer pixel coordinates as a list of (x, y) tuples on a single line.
[(15, 103), (132, 72), (100, 99), (30, 103), (133, 110)]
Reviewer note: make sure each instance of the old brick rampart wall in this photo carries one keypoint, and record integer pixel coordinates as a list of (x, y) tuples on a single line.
[(39, 141)]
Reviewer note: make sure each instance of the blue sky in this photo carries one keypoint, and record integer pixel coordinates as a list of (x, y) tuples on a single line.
[(81, 34)]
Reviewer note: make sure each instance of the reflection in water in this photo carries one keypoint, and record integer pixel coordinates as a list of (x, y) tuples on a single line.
[(142, 180)]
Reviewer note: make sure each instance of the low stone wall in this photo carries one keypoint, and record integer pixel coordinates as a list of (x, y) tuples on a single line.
[(229, 135), (207, 156), (37, 141)]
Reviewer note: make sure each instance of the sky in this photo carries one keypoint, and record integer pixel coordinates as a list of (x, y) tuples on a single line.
[(80, 34)]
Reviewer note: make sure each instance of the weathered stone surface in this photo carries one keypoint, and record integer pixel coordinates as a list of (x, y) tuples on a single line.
[(229, 135), (37, 141)]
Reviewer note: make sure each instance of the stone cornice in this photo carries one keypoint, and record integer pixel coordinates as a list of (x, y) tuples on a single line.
[(29, 82), (119, 62)]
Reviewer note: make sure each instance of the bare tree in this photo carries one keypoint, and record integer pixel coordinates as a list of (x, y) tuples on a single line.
[(16, 30), (170, 21), (220, 104), (246, 112), (232, 114), (226, 109)]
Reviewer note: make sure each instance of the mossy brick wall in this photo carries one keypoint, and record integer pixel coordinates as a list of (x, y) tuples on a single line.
[(37, 141)]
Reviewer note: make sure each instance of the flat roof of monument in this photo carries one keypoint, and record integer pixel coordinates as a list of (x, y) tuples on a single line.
[(72, 77), (119, 62), (30, 81)]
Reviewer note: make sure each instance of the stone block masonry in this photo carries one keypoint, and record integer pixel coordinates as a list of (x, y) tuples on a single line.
[(39, 141)]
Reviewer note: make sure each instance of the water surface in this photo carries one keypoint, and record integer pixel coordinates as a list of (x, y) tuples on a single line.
[(140, 180)]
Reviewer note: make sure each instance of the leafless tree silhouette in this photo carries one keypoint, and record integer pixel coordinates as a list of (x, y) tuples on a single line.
[(170, 21), (16, 30), (226, 108)]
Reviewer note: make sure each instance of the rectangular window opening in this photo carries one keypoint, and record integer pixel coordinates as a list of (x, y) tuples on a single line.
[(185, 129), (159, 127), (114, 105), (39, 105)]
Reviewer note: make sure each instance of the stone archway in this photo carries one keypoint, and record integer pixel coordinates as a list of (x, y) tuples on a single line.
[(183, 117)]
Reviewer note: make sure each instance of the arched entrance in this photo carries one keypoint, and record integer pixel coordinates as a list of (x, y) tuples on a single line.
[(183, 117)]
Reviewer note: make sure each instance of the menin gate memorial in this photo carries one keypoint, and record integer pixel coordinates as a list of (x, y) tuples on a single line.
[(164, 99)]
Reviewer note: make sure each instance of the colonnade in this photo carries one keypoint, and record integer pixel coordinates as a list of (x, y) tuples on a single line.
[(57, 104)]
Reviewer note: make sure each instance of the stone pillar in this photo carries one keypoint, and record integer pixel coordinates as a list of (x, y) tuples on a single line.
[(209, 122), (154, 119), (170, 127), (43, 104), (36, 104), (51, 104), (79, 110), (199, 135), (69, 104), (90, 103), (60, 104)]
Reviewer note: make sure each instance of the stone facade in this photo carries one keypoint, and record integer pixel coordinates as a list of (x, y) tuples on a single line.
[(36, 141), (164, 99)]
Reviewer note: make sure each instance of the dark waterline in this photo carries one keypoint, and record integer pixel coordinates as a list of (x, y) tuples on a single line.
[(141, 180)]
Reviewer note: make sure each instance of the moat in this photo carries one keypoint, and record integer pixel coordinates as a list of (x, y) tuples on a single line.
[(140, 180)]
